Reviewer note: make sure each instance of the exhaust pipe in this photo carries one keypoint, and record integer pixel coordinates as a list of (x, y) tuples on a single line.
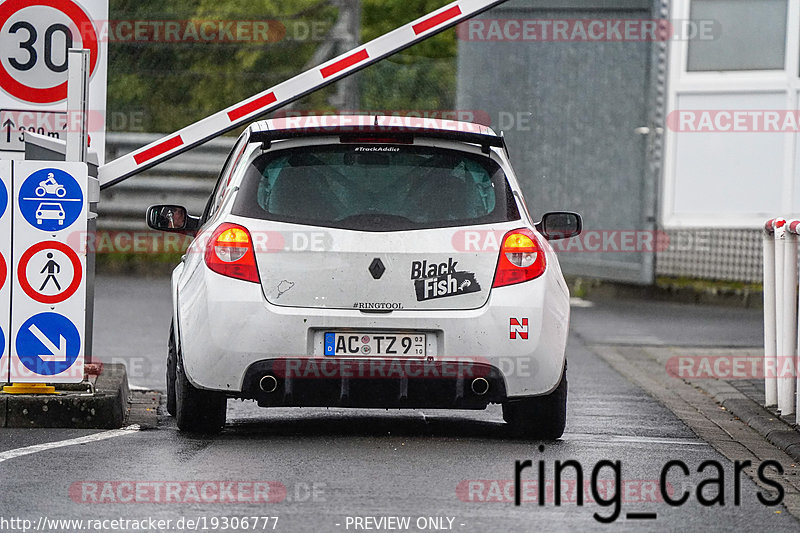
[(479, 386), (268, 383)]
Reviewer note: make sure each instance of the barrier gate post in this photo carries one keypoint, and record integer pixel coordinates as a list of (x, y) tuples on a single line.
[(786, 363), (794, 228), (780, 251), (770, 330)]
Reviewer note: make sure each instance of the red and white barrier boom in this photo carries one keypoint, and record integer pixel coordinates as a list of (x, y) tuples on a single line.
[(290, 90)]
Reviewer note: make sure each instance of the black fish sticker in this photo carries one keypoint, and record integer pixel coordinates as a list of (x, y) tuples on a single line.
[(440, 280)]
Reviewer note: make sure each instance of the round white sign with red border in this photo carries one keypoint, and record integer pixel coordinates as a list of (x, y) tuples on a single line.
[(34, 37), (3, 271), (49, 272)]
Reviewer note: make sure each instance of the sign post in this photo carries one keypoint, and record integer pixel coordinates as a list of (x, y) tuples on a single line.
[(78, 104)]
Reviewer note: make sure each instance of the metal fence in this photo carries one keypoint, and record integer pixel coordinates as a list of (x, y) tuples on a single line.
[(718, 254), (185, 180)]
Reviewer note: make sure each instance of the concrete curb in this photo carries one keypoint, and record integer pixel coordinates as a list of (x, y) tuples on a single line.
[(768, 425), (105, 409), (143, 409)]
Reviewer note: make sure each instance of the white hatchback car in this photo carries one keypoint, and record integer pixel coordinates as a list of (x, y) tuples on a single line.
[(369, 262)]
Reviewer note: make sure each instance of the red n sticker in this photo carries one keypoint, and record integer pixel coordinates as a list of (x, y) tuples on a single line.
[(516, 328)]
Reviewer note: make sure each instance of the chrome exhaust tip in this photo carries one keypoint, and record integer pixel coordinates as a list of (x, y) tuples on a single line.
[(268, 383), (479, 386)]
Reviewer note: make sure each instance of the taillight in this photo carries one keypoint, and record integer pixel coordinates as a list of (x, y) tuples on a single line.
[(521, 258), (230, 252)]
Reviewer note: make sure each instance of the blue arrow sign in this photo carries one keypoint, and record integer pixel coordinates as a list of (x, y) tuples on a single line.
[(50, 199), (3, 198), (48, 344)]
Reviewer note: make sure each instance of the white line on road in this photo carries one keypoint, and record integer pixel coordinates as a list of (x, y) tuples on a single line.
[(19, 452)]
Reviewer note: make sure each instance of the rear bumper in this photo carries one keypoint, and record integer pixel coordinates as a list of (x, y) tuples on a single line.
[(230, 333), (388, 383)]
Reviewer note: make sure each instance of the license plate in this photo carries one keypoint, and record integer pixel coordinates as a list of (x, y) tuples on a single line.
[(375, 344)]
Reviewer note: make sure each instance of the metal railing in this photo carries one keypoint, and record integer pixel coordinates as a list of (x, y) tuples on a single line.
[(781, 379), (186, 180)]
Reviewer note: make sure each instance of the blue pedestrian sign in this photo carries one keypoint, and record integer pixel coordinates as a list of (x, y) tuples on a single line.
[(50, 199), (48, 344), (3, 198)]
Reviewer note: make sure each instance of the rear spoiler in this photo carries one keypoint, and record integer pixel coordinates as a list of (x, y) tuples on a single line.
[(405, 135)]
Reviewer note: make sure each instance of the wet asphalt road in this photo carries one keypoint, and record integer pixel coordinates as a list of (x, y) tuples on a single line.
[(336, 465)]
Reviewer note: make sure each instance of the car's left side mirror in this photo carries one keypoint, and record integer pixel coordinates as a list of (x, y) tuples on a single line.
[(172, 218), (560, 225)]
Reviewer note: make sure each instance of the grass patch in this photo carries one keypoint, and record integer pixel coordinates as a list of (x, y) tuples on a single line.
[(707, 285)]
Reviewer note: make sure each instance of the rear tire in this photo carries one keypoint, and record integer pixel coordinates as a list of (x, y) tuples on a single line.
[(198, 410), (172, 357), (539, 417)]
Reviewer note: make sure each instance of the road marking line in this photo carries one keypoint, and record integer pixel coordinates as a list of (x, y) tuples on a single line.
[(19, 452)]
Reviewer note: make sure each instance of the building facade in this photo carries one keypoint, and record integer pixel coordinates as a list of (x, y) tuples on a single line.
[(677, 119)]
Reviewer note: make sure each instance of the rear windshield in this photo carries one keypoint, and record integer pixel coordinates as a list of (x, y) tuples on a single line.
[(376, 188)]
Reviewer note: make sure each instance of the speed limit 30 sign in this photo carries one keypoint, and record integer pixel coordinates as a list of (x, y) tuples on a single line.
[(34, 38)]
